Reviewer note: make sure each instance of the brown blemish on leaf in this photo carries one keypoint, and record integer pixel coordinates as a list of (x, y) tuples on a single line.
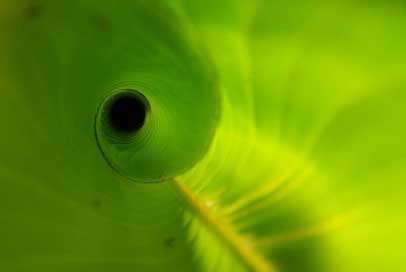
[(102, 23)]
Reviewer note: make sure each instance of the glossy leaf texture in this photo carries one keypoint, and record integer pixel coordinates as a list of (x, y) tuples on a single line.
[(273, 140)]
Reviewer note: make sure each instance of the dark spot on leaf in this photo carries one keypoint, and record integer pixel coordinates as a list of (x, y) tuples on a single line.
[(33, 11), (170, 241), (96, 204), (102, 23)]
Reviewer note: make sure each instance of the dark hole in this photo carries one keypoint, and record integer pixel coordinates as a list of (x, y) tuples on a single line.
[(127, 113)]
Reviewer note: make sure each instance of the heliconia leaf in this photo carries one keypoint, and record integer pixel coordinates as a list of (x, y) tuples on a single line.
[(231, 135)]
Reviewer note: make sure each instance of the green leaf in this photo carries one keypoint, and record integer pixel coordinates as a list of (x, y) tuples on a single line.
[(271, 135)]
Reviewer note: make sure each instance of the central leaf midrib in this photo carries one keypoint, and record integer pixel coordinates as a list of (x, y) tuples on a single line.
[(223, 230)]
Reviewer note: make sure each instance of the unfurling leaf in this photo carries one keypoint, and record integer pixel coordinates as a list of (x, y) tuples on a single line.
[(191, 135)]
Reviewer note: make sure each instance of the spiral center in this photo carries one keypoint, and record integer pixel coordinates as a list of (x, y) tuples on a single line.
[(127, 113)]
